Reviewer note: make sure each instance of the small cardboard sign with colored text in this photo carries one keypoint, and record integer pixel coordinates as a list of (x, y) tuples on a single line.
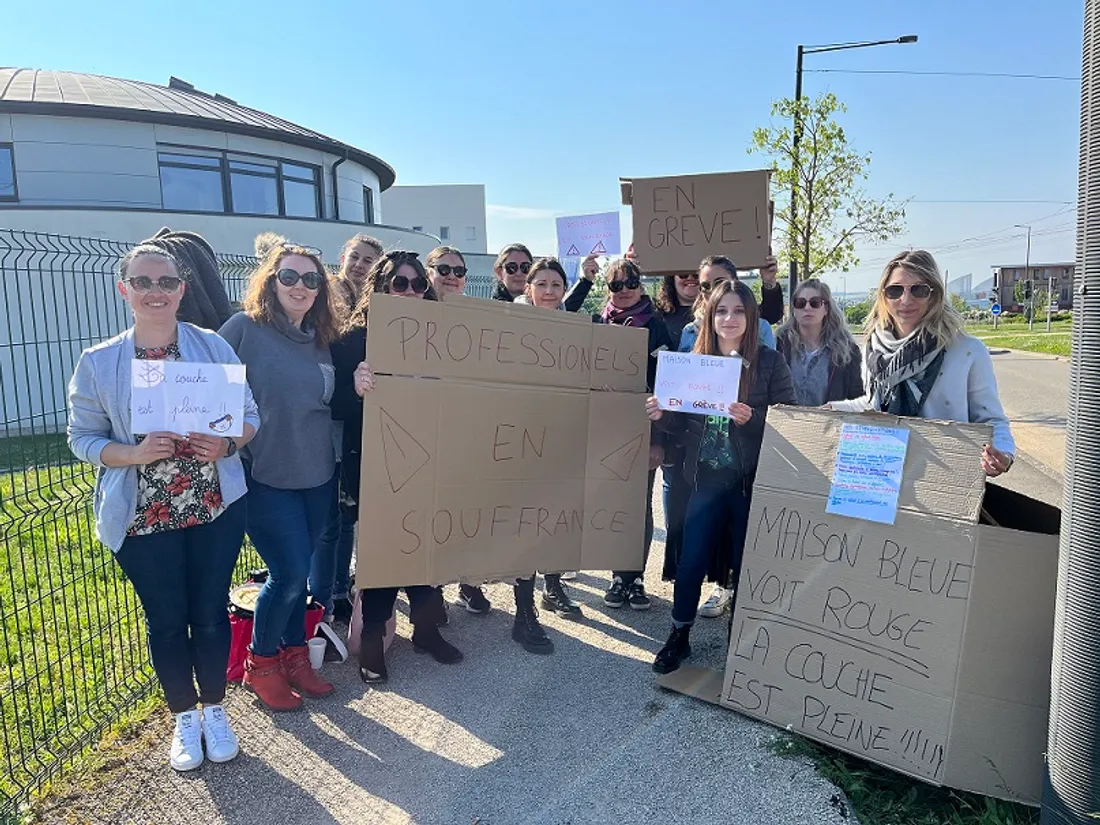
[(702, 384), (867, 475), (582, 235), (186, 397)]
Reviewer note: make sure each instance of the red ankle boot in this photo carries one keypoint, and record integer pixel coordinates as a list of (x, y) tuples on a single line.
[(267, 679), (300, 674)]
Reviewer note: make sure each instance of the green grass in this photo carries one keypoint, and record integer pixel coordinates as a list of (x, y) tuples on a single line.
[(880, 796), (1014, 334)]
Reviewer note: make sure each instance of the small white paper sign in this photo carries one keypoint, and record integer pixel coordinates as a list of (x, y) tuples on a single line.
[(582, 235), (184, 397), (703, 384), (867, 476)]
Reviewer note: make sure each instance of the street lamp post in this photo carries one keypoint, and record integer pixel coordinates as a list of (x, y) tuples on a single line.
[(1028, 279), (804, 50)]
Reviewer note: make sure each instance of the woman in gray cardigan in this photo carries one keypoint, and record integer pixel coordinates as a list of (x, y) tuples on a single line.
[(169, 505)]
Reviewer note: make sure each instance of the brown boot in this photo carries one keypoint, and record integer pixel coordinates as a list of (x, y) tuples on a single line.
[(267, 679), (300, 674)]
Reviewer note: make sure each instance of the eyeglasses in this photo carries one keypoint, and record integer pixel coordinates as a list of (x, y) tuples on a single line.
[(289, 277), (458, 271), (631, 282), (918, 291), (691, 276), (707, 286), (400, 283), (817, 302), (512, 267), (165, 283), (291, 245)]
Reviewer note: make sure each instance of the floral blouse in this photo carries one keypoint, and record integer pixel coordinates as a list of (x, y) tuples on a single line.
[(175, 492)]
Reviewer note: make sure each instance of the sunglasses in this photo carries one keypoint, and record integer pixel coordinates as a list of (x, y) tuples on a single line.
[(918, 291), (458, 271), (291, 245), (707, 286), (400, 283), (631, 282), (691, 276), (165, 283), (289, 277), (512, 267), (817, 302)]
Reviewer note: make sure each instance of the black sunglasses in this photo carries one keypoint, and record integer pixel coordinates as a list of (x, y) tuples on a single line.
[(289, 277), (399, 283), (631, 282), (918, 291), (817, 302), (165, 283), (312, 250), (707, 286), (512, 267), (447, 269), (689, 277)]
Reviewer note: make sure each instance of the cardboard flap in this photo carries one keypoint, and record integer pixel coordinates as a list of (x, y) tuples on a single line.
[(626, 189), (943, 475)]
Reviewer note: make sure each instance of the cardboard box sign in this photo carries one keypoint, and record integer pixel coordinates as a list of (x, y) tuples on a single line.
[(680, 220), (924, 645), (500, 439)]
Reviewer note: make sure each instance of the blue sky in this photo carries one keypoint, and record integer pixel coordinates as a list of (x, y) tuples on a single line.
[(547, 104)]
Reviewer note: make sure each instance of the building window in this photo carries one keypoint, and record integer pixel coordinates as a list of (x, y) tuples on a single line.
[(7, 173), (471, 233), (211, 181), (444, 233), (418, 229), (368, 204)]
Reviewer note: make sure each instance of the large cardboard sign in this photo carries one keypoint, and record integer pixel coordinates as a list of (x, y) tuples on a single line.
[(923, 645), (680, 220), (501, 439)]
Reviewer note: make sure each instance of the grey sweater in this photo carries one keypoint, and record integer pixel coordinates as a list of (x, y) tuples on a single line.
[(292, 379)]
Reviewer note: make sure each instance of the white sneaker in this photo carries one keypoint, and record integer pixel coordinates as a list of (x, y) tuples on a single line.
[(221, 742), (569, 575), (186, 754), (716, 605)]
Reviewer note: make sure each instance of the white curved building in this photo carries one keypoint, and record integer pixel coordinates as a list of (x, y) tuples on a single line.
[(102, 157)]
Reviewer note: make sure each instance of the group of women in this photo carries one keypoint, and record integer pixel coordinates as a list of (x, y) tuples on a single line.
[(174, 508)]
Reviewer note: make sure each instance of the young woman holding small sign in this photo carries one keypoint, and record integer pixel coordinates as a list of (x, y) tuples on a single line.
[(290, 317), (920, 362), (169, 506), (721, 453), (395, 273), (712, 271), (823, 357)]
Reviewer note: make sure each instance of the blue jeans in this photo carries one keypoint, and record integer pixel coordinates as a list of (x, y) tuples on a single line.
[(628, 576), (676, 492), (284, 525), (330, 569), (182, 578), (716, 506)]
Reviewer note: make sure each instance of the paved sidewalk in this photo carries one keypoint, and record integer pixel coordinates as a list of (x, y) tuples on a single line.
[(504, 738)]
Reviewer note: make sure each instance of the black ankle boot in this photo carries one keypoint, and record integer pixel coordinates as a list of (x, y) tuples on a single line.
[(527, 630), (427, 639), (676, 649), (556, 598), (372, 658)]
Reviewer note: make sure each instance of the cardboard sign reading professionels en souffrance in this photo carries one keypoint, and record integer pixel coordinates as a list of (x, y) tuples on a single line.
[(680, 220), (501, 439)]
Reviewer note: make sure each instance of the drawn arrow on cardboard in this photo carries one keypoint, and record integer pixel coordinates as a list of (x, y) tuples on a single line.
[(621, 461), (403, 455)]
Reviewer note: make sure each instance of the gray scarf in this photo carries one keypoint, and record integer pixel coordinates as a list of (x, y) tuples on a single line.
[(902, 370)]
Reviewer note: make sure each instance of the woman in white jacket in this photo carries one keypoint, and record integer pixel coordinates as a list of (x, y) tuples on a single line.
[(919, 361)]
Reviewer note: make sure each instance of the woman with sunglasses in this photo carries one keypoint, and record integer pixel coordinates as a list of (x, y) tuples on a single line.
[(713, 270), (169, 506), (447, 271), (823, 357), (920, 362), (395, 273), (628, 305), (721, 454), (283, 338), (513, 265)]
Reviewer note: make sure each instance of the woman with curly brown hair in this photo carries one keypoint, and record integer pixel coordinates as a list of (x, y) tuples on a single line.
[(283, 338)]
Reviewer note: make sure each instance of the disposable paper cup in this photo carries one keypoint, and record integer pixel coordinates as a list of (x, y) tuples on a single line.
[(317, 652)]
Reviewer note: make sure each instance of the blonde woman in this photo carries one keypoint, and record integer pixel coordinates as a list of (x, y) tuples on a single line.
[(824, 358), (919, 361)]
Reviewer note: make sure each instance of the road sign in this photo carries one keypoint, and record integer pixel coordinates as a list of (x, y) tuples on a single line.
[(995, 309)]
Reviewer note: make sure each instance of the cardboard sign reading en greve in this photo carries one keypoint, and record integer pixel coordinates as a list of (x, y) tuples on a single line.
[(678, 221), (500, 439)]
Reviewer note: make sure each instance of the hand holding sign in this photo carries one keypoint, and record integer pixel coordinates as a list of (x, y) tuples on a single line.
[(183, 397), (701, 384)]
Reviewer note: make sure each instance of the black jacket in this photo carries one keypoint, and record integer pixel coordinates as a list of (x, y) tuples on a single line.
[(347, 406), (676, 321), (773, 385), (574, 298), (771, 304), (844, 382), (658, 339)]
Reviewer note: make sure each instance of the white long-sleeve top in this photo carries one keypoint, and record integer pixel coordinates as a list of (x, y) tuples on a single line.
[(965, 391)]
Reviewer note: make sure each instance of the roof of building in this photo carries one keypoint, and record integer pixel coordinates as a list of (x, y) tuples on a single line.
[(40, 91), (1035, 265)]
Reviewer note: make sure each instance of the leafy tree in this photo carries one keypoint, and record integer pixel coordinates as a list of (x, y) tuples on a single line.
[(1041, 298), (833, 212), (856, 314), (959, 303)]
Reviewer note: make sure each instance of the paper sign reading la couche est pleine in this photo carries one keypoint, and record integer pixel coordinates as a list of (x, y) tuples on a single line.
[(183, 397), (703, 384)]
